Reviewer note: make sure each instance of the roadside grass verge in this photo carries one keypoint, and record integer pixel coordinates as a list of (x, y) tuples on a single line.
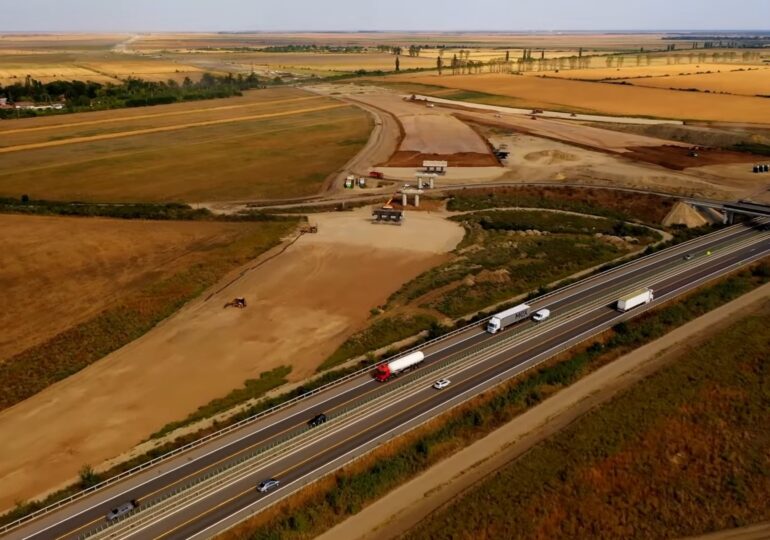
[(131, 316), (381, 333), (506, 253), (162, 212), (321, 506), (646, 208), (682, 453)]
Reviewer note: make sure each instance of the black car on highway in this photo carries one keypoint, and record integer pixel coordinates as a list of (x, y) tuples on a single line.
[(317, 420)]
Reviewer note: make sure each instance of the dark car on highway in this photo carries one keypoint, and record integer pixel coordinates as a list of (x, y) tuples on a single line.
[(317, 420)]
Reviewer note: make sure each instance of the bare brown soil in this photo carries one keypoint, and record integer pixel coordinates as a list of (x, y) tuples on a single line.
[(302, 305), (678, 158), (465, 159)]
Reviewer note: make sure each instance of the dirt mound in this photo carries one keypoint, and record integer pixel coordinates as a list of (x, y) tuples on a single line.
[(680, 158), (684, 214), (462, 159), (550, 157)]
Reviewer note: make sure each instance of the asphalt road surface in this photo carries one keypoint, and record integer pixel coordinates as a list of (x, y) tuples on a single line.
[(474, 360)]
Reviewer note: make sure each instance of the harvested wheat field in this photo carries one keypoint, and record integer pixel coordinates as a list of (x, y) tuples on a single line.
[(612, 99), (753, 82), (57, 272), (631, 72), (325, 284), (268, 144)]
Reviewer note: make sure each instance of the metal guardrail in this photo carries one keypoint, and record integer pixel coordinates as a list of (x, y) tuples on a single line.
[(458, 362), (246, 421)]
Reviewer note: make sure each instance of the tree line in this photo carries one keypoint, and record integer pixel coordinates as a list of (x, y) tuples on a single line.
[(133, 92)]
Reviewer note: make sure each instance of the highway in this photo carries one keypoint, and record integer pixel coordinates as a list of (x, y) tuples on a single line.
[(362, 413)]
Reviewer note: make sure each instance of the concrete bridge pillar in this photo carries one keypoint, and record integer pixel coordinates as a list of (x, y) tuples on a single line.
[(416, 201), (404, 200)]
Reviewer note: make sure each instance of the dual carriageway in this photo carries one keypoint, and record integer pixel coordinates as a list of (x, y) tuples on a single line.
[(203, 491)]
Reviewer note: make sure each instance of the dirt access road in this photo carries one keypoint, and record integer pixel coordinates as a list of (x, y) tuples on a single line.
[(405, 506), (302, 305), (423, 132)]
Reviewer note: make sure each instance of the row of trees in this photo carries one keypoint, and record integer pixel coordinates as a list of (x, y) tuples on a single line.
[(461, 63), (79, 95)]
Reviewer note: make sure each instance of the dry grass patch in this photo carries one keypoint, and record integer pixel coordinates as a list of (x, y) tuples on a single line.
[(278, 146)]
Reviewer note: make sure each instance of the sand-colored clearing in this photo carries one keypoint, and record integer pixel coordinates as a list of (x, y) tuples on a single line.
[(302, 305)]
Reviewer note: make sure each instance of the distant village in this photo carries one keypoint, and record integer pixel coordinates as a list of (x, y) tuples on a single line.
[(30, 105)]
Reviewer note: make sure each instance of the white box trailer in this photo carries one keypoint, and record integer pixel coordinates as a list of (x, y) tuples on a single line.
[(635, 299), (504, 319)]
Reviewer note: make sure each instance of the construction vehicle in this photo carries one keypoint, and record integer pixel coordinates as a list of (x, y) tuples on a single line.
[(350, 182), (362, 182), (393, 368), (376, 174), (238, 302), (504, 319), (635, 299), (309, 229)]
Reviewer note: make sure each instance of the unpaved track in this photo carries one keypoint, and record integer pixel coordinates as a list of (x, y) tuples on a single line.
[(123, 134), (404, 507)]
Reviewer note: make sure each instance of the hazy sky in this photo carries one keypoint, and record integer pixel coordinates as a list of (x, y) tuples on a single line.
[(202, 15)]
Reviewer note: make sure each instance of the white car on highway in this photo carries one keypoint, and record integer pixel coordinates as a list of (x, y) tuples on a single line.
[(441, 384), (121, 510), (541, 315)]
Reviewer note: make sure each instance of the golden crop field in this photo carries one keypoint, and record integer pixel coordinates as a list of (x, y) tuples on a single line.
[(273, 143), (747, 82), (605, 42), (102, 66), (631, 71), (602, 98)]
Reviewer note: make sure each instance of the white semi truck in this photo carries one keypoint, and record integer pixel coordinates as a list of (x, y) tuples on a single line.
[(635, 299), (394, 367), (504, 319)]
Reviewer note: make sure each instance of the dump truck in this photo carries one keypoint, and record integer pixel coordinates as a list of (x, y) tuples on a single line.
[(391, 369), (504, 319), (635, 299)]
